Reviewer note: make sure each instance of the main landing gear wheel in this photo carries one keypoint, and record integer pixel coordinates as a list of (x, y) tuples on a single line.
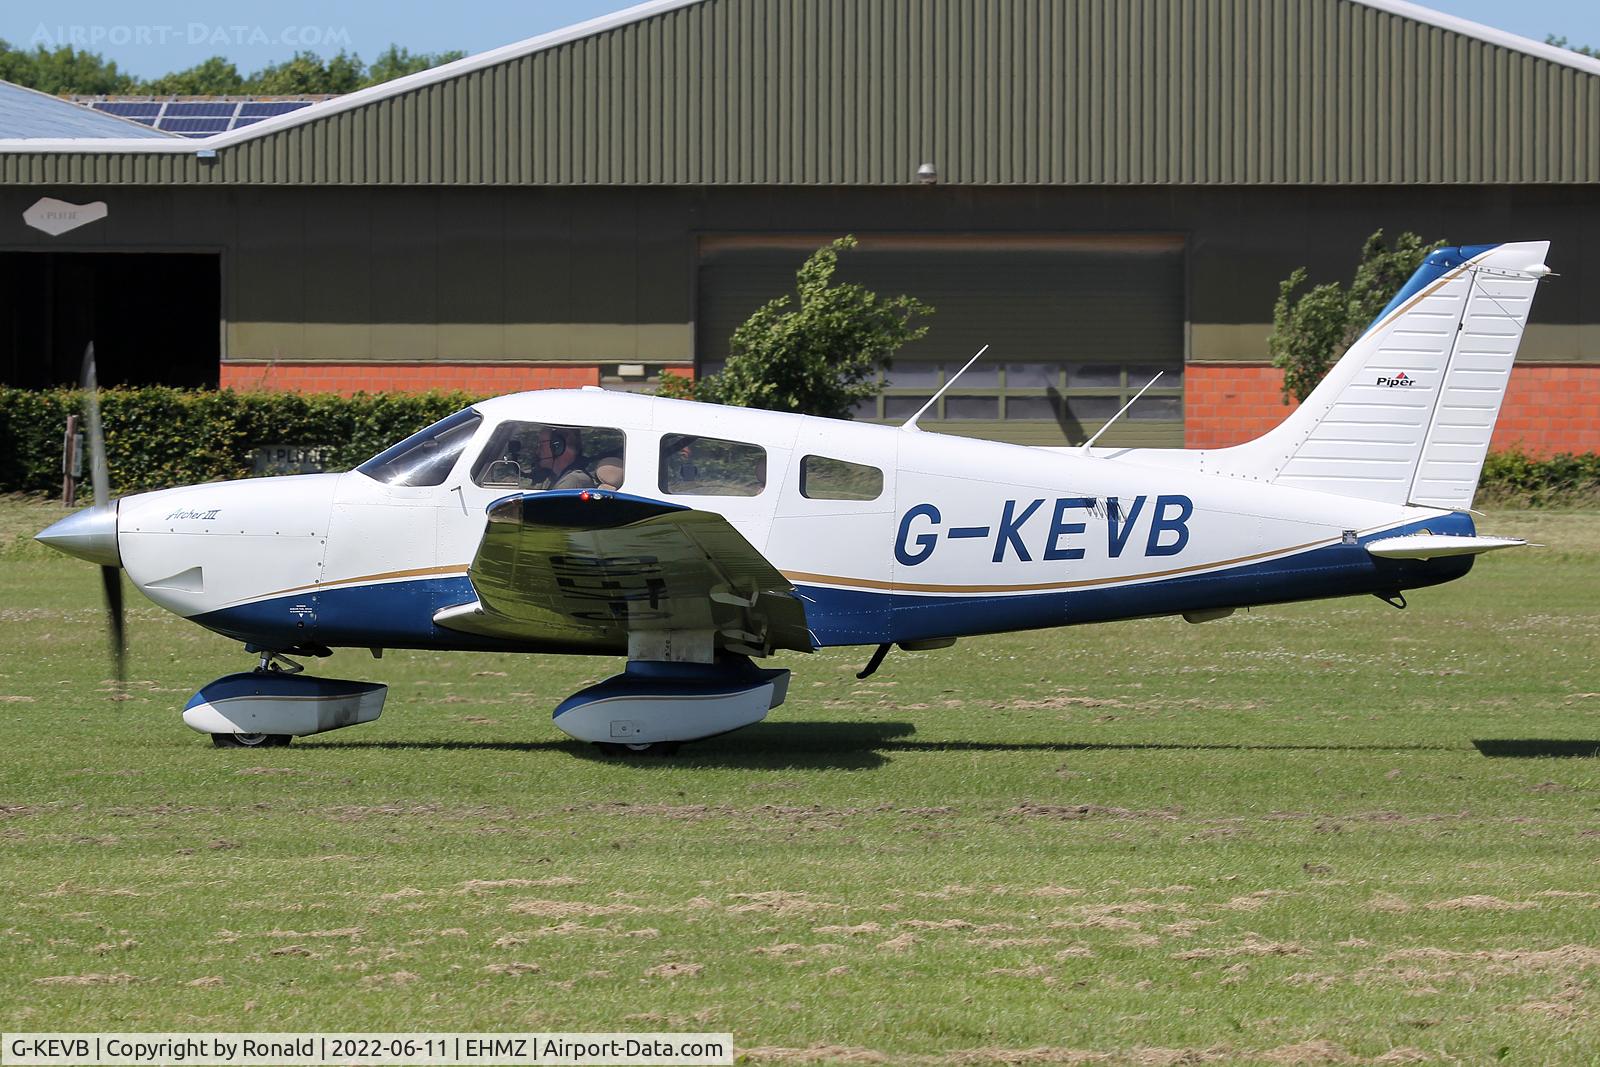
[(250, 740), (654, 748)]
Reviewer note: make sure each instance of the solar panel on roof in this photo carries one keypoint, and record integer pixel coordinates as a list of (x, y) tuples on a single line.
[(224, 109), (268, 108), (128, 109), (193, 117), (193, 126)]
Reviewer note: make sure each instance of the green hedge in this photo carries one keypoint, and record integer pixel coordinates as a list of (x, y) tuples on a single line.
[(1516, 479), (159, 437)]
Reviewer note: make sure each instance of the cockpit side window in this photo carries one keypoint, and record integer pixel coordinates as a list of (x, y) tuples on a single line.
[(822, 478), (427, 456), (533, 456), (710, 466)]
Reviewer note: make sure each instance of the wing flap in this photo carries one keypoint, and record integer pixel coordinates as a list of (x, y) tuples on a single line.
[(591, 567)]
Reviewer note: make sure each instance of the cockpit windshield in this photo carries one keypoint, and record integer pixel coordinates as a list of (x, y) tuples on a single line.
[(427, 456)]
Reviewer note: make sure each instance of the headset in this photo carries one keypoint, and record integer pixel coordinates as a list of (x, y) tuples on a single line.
[(558, 443)]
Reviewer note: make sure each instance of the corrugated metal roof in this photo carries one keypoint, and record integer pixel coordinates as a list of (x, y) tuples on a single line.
[(27, 113), (992, 92)]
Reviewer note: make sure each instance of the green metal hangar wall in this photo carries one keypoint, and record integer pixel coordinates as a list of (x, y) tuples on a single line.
[(1116, 187)]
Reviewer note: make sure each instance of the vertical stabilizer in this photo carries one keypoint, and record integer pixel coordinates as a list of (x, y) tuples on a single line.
[(1406, 415)]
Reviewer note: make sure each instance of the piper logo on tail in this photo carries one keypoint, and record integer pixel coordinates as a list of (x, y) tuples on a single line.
[(1400, 379)]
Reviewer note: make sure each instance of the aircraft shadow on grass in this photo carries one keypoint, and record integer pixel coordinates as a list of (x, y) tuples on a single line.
[(868, 745), (1536, 748), (814, 745)]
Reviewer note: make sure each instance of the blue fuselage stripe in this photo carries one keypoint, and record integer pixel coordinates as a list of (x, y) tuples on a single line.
[(400, 614)]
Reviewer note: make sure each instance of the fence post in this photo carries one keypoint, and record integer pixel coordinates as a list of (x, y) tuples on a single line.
[(71, 463)]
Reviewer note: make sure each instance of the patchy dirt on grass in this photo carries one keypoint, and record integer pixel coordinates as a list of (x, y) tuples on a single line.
[(814, 1054), (479, 885), (512, 970), (118, 978), (1480, 903), (1307, 1052), (351, 932), (674, 969), (1088, 811), (1508, 961), (557, 909), (778, 902), (1251, 946)]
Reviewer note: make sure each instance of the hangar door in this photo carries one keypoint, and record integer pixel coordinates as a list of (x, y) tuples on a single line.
[(154, 317), (1075, 325)]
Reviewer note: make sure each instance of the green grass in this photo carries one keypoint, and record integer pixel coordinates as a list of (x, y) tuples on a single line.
[(1304, 834)]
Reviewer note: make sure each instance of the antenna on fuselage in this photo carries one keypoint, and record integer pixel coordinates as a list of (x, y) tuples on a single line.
[(911, 423), (1090, 442)]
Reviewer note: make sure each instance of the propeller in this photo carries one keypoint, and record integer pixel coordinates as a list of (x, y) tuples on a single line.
[(110, 575)]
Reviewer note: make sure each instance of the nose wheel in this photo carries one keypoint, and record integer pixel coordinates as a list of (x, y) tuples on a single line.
[(251, 740), (653, 748)]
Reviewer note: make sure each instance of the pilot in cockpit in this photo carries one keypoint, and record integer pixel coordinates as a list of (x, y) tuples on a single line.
[(561, 454), (534, 458)]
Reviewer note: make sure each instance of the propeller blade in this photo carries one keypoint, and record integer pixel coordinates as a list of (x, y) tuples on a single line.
[(111, 579), (98, 474)]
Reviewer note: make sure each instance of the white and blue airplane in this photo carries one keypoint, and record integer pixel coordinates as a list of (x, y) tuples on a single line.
[(696, 539)]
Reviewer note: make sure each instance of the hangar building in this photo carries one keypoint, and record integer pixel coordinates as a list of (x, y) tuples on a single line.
[(1116, 187)]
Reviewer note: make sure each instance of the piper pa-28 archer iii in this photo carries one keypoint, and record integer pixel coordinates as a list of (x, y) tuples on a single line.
[(697, 539)]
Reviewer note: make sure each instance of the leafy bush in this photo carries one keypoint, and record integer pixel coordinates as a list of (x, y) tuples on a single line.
[(158, 437), (1310, 332), (1515, 479), (819, 357)]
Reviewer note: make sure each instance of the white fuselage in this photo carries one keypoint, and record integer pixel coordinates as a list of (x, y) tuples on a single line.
[(965, 537)]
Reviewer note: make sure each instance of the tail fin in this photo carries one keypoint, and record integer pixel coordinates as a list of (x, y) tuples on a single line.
[(1406, 415)]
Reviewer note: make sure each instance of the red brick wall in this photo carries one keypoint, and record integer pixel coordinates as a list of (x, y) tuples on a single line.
[(489, 379), (1226, 404), (1548, 408)]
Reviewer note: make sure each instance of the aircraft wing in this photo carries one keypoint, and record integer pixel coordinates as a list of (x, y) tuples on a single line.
[(589, 568)]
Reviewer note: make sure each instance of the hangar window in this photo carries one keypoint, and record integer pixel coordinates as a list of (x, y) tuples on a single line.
[(1083, 393), (709, 466), (427, 456), (534, 456), (837, 479)]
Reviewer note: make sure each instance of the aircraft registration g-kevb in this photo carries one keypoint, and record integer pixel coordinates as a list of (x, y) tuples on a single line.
[(696, 539)]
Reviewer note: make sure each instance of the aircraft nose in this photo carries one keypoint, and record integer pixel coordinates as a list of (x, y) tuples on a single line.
[(89, 534)]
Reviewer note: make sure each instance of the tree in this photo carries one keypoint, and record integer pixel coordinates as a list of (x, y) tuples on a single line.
[(396, 62), (215, 77), (307, 74), (67, 71), (62, 71), (1581, 49), (821, 356), (1310, 332)]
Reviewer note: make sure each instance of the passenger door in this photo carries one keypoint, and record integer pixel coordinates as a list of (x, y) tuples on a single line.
[(833, 532)]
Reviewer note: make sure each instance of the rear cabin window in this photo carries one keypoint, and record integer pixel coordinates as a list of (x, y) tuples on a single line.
[(426, 457), (822, 478), (710, 466), (535, 456)]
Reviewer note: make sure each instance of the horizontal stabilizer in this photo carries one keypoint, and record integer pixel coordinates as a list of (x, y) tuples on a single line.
[(1435, 546)]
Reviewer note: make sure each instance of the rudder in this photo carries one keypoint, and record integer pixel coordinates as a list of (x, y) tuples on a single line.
[(1406, 414)]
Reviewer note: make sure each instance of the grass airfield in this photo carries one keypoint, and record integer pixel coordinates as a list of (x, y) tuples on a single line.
[(1324, 833)]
